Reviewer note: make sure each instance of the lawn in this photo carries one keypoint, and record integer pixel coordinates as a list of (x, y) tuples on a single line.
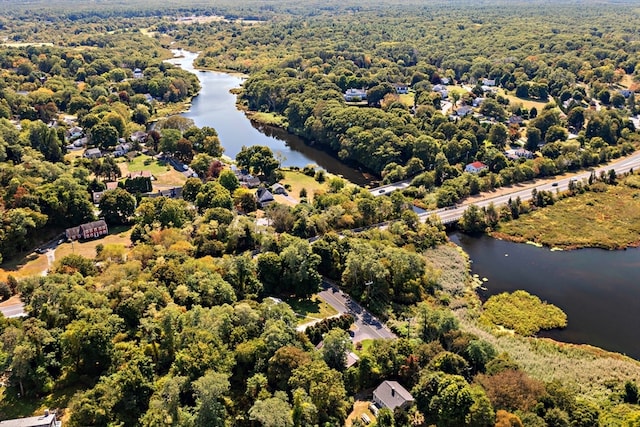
[(309, 309), (407, 99), (143, 163), (117, 235), (165, 175), (30, 265), (297, 180), (359, 407), (526, 103), (269, 119), (609, 220)]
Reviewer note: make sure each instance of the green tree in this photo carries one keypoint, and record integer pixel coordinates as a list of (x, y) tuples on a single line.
[(117, 206), (229, 180), (272, 412), (334, 351), (209, 390), (104, 135), (257, 159)]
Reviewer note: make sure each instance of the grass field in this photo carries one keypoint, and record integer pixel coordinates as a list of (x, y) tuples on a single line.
[(297, 180), (29, 265), (117, 235), (609, 220), (310, 309), (143, 162), (269, 119), (526, 103), (166, 176)]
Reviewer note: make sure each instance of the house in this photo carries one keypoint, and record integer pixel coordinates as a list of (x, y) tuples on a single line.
[(401, 88), (488, 82), (112, 185), (138, 74), (264, 197), (355, 95), (92, 153), (89, 230), (249, 180), (48, 419), (444, 93), (475, 167), (352, 359), (515, 120), (464, 110), (279, 189), (138, 136), (122, 149), (626, 92), (445, 80), (477, 101), (74, 132), (519, 153), (390, 394)]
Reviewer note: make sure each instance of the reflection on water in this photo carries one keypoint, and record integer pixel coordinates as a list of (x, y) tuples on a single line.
[(597, 289)]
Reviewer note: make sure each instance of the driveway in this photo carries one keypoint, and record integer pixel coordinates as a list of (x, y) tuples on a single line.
[(368, 326)]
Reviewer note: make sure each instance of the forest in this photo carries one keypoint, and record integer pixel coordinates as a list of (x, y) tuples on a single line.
[(191, 322)]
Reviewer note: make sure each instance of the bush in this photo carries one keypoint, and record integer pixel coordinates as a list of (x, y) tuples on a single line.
[(5, 291)]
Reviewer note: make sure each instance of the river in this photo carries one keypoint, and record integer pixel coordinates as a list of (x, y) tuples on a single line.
[(598, 290), (215, 106)]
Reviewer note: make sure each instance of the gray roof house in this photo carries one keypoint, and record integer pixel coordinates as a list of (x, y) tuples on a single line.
[(48, 419), (278, 189), (390, 394), (264, 197), (93, 153)]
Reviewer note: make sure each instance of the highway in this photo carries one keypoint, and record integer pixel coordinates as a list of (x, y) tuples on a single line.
[(524, 190), (368, 326)]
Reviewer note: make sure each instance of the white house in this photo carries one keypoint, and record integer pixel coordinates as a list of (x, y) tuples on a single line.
[(390, 394), (464, 110), (355, 95), (401, 88), (475, 167)]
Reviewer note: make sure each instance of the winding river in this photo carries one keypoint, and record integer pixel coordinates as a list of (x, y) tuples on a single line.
[(598, 290), (215, 106)]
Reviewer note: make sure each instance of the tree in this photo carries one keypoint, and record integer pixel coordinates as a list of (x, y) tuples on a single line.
[(534, 138), (498, 135), (213, 195), (325, 388), (257, 159), (473, 220), (445, 399), (169, 140), (229, 180), (117, 206), (210, 388), (272, 412), (244, 200), (334, 351), (104, 135)]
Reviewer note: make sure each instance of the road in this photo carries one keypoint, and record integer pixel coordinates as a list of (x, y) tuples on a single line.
[(523, 191), (368, 326), (13, 310)]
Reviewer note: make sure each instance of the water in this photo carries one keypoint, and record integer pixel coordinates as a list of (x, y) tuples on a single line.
[(598, 290), (216, 107)]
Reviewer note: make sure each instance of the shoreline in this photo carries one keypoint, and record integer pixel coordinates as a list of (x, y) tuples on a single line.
[(561, 246)]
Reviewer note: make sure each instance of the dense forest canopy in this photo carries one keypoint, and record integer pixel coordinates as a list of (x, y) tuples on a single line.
[(186, 325)]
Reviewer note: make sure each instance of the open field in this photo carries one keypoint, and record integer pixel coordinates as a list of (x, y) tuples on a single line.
[(117, 235), (30, 265), (310, 309), (143, 162), (609, 220), (526, 103), (297, 180)]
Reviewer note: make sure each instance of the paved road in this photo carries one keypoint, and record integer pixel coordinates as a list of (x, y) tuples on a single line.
[(368, 326), (13, 310), (524, 190)]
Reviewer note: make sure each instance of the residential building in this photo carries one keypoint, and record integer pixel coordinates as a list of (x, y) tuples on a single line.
[(279, 189), (464, 110), (401, 88), (93, 153), (138, 74), (89, 230), (475, 167), (48, 419), (264, 197), (488, 82), (355, 95), (390, 394)]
